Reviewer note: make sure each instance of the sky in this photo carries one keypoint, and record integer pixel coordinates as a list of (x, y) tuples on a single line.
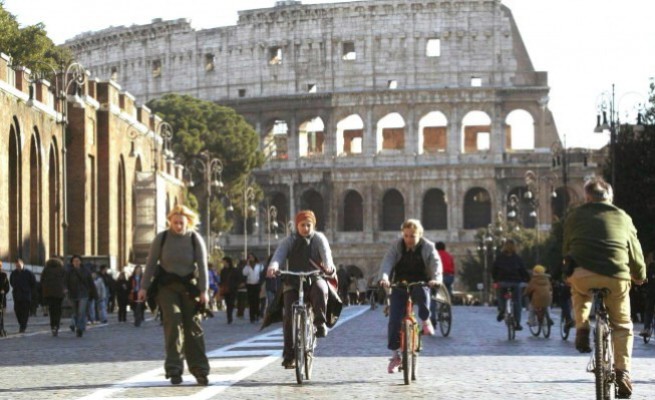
[(586, 46)]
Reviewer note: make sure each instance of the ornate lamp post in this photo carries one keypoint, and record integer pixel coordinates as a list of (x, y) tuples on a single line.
[(210, 169), (165, 131), (248, 207), (533, 193), (487, 247), (271, 217)]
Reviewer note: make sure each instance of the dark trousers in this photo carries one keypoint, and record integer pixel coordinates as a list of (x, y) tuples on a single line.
[(22, 311), (229, 305), (398, 300), (242, 299), (317, 296), (138, 307), (253, 301), (648, 310), (122, 309), (516, 298), (54, 307)]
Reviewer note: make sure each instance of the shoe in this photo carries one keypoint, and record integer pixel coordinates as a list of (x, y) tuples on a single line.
[(72, 328), (202, 380), (500, 316), (623, 384), (55, 331), (321, 330), (428, 329), (289, 363), (79, 332), (646, 332), (21, 330), (582, 340), (569, 324), (394, 362), (518, 327), (176, 379)]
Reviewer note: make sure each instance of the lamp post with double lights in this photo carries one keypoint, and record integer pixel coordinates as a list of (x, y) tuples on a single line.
[(533, 194), (248, 207), (271, 217), (210, 169), (487, 247), (72, 75)]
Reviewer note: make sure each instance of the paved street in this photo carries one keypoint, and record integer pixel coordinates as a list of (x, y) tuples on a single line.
[(119, 361)]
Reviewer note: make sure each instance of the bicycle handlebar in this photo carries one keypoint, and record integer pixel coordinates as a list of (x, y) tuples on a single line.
[(408, 284), (300, 273)]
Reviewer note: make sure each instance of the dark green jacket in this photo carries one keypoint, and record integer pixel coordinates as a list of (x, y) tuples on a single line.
[(602, 238)]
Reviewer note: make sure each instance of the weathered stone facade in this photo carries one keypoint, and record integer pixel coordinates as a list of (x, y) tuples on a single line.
[(107, 150), (414, 99)]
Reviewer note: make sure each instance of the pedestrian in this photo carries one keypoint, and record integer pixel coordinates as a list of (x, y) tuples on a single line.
[(448, 267), (122, 296), (101, 302), (181, 293), (353, 294), (53, 286), (23, 283), (110, 285), (540, 293), (242, 292), (271, 284), (252, 271), (508, 272), (602, 242), (409, 259), (303, 250), (137, 304), (649, 288), (214, 283), (81, 288), (92, 308), (343, 278), (230, 280), (4, 288)]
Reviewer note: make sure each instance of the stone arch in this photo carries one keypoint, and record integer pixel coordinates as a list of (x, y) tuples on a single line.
[(433, 133), (393, 210), (350, 135), (35, 246), (476, 132), (519, 130), (477, 208), (54, 200), (312, 200), (121, 210), (390, 133), (275, 144), (15, 182), (435, 210), (353, 212), (311, 137)]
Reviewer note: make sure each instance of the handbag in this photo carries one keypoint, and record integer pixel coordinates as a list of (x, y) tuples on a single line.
[(153, 289)]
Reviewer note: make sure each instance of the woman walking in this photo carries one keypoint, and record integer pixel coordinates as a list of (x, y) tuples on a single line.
[(53, 286)]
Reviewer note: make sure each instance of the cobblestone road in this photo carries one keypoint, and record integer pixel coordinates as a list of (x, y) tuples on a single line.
[(476, 362)]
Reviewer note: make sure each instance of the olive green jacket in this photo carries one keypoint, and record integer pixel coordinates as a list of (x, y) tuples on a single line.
[(602, 238)]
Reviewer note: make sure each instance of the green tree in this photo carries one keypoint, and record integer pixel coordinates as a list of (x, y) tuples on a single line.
[(30, 46), (200, 125)]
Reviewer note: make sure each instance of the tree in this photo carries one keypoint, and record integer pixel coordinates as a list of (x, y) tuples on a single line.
[(30, 46), (203, 125)]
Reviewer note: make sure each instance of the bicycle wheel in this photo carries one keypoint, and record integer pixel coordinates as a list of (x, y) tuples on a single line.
[(406, 345), (564, 328), (310, 336), (509, 321), (416, 347), (299, 344), (445, 318), (545, 329), (535, 327), (600, 367)]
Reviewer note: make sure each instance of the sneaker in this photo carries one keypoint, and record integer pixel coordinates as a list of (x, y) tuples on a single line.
[(569, 324), (202, 380), (428, 329), (321, 330), (176, 379), (79, 332), (623, 384), (394, 362), (582, 340), (518, 327), (500, 316), (289, 363)]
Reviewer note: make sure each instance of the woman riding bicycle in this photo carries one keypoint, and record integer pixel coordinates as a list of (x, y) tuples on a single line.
[(409, 259), (304, 250), (508, 271)]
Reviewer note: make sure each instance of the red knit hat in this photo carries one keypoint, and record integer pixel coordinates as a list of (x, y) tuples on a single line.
[(305, 215)]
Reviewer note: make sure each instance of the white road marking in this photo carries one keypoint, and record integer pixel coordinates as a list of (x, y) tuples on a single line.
[(262, 350)]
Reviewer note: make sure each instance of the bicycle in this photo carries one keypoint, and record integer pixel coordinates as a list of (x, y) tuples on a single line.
[(510, 320), (443, 310), (542, 325), (410, 334), (304, 334), (372, 297), (565, 325), (602, 358)]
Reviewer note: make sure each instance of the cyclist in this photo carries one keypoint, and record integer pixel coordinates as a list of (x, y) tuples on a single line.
[(540, 292), (412, 259), (602, 241), (508, 271), (650, 296), (304, 250)]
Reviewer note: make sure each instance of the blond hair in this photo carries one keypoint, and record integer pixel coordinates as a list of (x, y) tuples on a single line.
[(413, 224), (191, 216)]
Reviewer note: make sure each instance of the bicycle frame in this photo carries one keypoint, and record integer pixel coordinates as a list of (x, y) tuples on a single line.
[(410, 338), (601, 362), (510, 321)]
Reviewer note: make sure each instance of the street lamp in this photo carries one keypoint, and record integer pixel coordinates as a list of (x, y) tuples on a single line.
[(210, 169), (248, 206), (533, 194), (487, 247), (271, 217), (73, 74)]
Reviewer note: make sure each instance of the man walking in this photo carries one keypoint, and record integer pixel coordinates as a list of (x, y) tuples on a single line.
[(23, 283)]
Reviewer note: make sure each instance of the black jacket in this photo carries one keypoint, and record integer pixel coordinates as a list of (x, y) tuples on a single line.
[(80, 284), (509, 268), (23, 283)]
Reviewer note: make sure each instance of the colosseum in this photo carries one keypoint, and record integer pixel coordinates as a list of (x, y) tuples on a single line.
[(369, 112)]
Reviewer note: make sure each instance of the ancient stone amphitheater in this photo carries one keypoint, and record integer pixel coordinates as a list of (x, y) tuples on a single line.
[(369, 112)]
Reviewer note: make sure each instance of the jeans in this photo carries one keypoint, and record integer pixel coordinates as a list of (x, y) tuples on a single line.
[(317, 296), (516, 298), (92, 310), (448, 280), (101, 306), (420, 297), (78, 319)]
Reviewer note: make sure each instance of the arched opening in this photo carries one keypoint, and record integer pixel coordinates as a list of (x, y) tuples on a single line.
[(353, 212), (312, 200), (281, 204), (350, 135), (15, 193), (391, 133), (54, 200), (476, 132), (122, 209), (36, 211), (393, 210), (435, 210), (519, 131), (477, 208), (520, 208), (433, 133), (275, 146), (311, 136)]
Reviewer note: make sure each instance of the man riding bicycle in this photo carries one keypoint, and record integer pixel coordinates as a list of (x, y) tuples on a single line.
[(409, 259), (602, 241), (305, 250)]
